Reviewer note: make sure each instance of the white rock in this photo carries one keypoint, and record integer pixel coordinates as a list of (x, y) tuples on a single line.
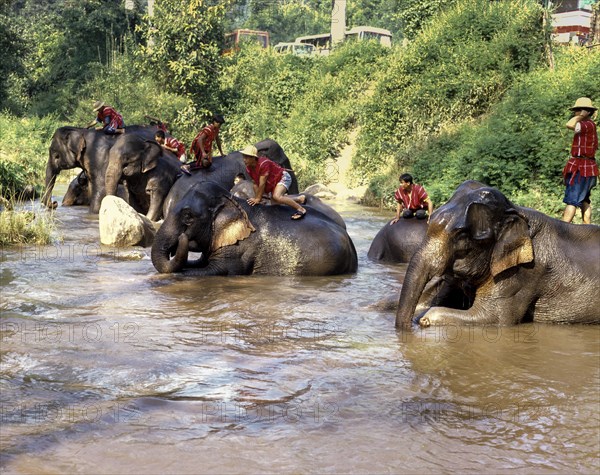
[(121, 226)]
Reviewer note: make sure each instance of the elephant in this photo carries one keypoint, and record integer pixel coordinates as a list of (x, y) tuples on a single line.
[(238, 239), (148, 170), (224, 170), (512, 264), (78, 192), (244, 190), (73, 147), (398, 242)]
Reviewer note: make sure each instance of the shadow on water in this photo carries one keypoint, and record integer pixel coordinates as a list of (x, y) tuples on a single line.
[(107, 367)]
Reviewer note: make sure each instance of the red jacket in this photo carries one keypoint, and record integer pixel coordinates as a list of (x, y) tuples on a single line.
[(415, 201), (172, 142), (211, 134), (268, 168), (585, 142)]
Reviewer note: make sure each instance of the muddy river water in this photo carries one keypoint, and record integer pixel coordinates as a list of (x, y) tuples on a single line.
[(108, 367)]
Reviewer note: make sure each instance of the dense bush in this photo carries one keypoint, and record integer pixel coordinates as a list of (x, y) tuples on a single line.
[(308, 105), (522, 145), (461, 64), (23, 152), (124, 85)]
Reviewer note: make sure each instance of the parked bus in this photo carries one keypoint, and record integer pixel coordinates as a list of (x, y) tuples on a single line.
[(322, 42), (233, 39), (299, 49), (383, 36)]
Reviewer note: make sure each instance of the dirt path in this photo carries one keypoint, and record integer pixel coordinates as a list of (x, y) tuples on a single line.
[(340, 172)]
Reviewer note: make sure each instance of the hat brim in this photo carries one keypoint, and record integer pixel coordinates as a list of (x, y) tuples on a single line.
[(574, 108)]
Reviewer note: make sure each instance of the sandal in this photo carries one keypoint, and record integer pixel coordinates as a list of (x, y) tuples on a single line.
[(298, 215)]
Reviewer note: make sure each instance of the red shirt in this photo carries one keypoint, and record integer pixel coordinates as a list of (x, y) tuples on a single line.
[(115, 119), (211, 133), (268, 168), (585, 142), (172, 142), (583, 151), (414, 200)]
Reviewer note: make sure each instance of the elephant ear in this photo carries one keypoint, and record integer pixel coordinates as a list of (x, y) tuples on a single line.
[(77, 144), (152, 151), (230, 225), (513, 245)]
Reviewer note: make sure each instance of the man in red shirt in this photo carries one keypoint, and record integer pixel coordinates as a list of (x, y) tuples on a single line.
[(201, 147), (111, 120), (411, 199), (581, 170), (269, 177), (171, 144)]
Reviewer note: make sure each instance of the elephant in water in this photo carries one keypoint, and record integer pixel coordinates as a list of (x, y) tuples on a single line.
[(73, 147), (78, 192), (238, 239), (512, 265), (147, 169), (398, 242)]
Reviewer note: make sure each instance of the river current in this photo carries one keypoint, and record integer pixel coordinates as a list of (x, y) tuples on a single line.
[(108, 367)]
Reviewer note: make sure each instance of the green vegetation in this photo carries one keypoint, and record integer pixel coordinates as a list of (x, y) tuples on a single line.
[(470, 96), (23, 226)]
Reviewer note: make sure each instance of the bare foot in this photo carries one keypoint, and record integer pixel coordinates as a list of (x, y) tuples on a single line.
[(424, 322)]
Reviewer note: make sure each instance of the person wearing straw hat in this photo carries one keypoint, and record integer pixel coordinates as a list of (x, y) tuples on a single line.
[(269, 177), (581, 169), (111, 120)]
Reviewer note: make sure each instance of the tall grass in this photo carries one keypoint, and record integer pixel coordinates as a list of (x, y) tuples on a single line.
[(26, 227)]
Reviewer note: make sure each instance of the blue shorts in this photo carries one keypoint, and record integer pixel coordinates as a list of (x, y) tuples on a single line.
[(578, 192), (286, 180)]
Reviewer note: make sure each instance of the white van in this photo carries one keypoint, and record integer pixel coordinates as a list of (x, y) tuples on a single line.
[(299, 49)]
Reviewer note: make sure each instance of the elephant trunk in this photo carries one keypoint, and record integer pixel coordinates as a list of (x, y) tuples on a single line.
[(418, 274), (51, 175), (155, 209), (161, 253)]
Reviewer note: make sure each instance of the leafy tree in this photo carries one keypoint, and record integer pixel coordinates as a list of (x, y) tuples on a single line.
[(183, 48), (59, 40), (414, 14), (286, 20), (12, 47)]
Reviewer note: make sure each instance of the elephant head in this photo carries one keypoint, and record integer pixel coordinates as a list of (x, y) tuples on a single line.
[(131, 155), (474, 237), (78, 191), (205, 220), (66, 151)]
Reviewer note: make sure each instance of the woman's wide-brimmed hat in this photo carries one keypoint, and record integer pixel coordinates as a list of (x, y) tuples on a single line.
[(250, 151), (584, 103), (98, 105)]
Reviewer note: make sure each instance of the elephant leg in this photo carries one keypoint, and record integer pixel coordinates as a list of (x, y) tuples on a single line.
[(155, 210), (495, 304), (96, 196)]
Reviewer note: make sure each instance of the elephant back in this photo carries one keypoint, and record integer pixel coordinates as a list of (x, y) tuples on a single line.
[(397, 243)]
